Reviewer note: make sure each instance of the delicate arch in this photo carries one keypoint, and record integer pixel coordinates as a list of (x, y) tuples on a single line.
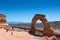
[(48, 30)]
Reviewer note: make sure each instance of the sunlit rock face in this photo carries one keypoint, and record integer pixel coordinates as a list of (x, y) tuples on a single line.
[(3, 22), (48, 30)]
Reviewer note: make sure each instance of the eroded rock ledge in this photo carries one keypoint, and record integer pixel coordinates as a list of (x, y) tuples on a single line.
[(3, 22)]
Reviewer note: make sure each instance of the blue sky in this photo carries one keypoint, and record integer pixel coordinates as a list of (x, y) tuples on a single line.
[(24, 10)]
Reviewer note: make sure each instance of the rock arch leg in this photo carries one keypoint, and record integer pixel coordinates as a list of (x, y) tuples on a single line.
[(32, 30)]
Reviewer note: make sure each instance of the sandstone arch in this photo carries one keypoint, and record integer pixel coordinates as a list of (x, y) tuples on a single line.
[(48, 30), (3, 22)]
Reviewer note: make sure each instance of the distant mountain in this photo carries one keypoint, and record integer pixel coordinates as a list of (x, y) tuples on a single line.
[(55, 25), (14, 22)]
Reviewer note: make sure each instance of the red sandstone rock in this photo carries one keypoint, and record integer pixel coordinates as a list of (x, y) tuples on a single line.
[(3, 22), (48, 30)]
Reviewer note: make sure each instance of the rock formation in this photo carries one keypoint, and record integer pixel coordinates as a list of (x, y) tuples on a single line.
[(47, 31), (3, 22)]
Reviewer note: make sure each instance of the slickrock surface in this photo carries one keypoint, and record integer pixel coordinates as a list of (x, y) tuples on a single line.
[(18, 35)]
